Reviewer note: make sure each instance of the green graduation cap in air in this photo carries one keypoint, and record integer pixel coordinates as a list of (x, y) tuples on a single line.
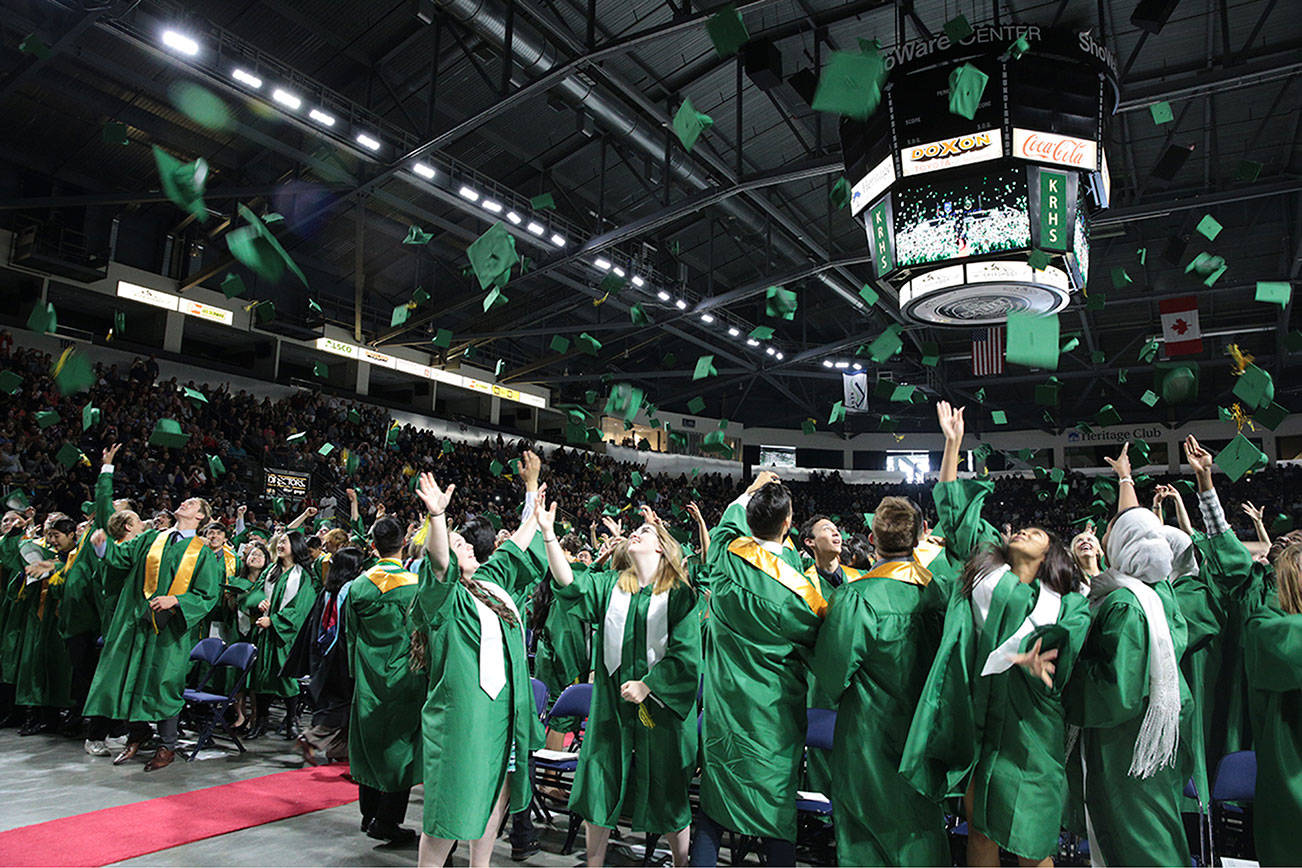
[(167, 432), (689, 124)]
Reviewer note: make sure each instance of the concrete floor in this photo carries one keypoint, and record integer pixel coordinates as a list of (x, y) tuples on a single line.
[(49, 777)]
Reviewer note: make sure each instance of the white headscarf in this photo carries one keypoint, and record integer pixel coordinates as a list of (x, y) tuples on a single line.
[(1142, 551)]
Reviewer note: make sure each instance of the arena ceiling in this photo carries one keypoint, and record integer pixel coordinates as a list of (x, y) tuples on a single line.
[(578, 106)]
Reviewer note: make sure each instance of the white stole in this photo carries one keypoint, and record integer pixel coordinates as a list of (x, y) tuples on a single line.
[(492, 660), (292, 582), (657, 628)]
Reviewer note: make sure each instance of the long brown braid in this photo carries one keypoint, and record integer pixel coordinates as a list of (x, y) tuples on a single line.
[(499, 608)]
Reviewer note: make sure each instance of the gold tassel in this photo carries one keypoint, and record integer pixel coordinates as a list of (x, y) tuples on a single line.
[(645, 717), (1240, 359), (1241, 418)]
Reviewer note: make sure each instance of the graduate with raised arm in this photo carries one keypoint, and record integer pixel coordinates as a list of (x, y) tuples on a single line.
[(764, 618), (279, 604), (478, 721), (639, 755), (171, 582), (991, 725), (1128, 695), (384, 737)]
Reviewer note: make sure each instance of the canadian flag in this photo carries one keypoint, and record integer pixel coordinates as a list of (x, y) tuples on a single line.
[(1180, 326)]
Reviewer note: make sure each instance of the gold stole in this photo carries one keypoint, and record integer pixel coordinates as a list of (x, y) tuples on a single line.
[(912, 572), (228, 554), (389, 574), (184, 571), (788, 576)]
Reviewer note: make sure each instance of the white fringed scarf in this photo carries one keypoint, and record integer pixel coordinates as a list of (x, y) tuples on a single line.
[(1142, 552)]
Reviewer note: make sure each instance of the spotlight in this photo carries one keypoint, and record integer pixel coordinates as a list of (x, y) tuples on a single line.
[(751, 342), (603, 264), (321, 117), (287, 99), (827, 363), (619, 272), (662, 295), (424, 171), (514, 217), (680, 304), (535, 228), (247, 78), (638, 281), (842, 365), (770, 351), (734, 333), (558, 240), (180, 43), (367, 142), (490, 205), (707, 319), (468, 193)]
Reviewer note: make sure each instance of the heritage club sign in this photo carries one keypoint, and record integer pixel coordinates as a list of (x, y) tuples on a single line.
[(1054, 148)]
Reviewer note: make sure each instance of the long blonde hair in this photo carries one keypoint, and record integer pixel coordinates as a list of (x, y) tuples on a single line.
[(670, 574), (1288, 579)]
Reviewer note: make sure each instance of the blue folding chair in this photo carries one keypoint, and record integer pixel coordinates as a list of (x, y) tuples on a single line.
[(574, 701), (1233, 790), (539, 696), (206, 651), (238, 656)]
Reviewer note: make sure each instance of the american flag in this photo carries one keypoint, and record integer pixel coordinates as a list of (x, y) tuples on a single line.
[(988, 351)]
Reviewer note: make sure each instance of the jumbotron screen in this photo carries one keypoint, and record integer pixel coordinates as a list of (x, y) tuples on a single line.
[(937, 220)]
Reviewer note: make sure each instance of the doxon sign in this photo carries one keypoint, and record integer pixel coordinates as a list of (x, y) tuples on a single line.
[(1054, 148), (947, 153)]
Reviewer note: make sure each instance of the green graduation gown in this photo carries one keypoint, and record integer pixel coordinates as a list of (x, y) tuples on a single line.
[(384, 722), (44, 674), (292, 595), (141, 673), (764, 617), (634, 763), (467, 736), (1005, 733), (872, 660), (1132, 821), (82, 608), (1273, 648)]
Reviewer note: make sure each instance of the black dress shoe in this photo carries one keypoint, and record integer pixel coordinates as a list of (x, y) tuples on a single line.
[(366, 823), (36, 726), (524, 851), (258, 730), (390, 833)]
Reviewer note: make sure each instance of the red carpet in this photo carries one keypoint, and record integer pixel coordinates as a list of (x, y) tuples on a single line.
[(113, 834)]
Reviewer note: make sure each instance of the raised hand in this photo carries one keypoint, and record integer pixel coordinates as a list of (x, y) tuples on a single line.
[(311, 511), (380, 511), (1199, 458), (695, 512), (352, 494), (435, 499), (545, 514), (240, 512), (612, 526), (1120, 464), (763, 479), (951, 420), (1256, 513), (649, 515), (530, 467), (1040, 665), (109, 453)]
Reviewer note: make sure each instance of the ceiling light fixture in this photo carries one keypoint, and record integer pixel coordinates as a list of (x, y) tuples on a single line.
[(180, 43), (247, 79), (287, 99)]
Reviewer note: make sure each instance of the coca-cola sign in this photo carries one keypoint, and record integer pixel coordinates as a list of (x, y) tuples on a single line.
[(1054, 148)]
